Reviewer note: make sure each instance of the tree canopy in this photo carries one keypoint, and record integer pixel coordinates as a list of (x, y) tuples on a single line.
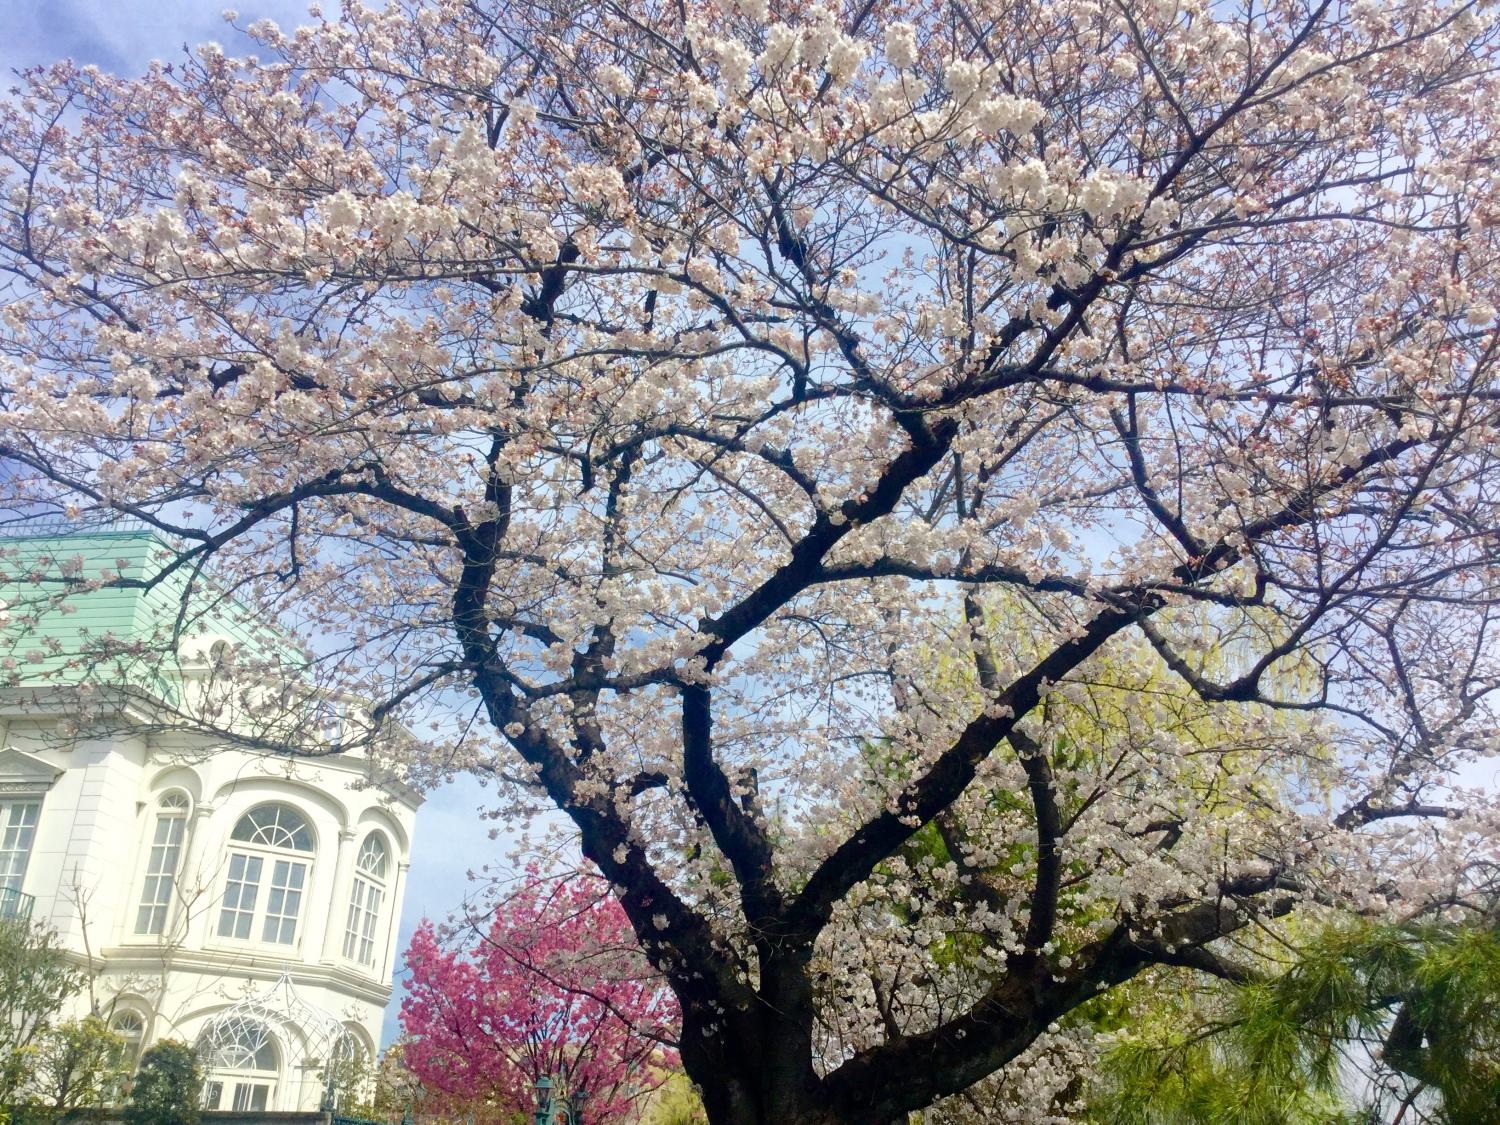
[(637, 401), (552, 985), (1365, 1022), (168, 1086), (36, 980)]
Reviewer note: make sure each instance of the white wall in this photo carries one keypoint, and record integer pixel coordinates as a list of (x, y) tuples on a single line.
[(88, 864)]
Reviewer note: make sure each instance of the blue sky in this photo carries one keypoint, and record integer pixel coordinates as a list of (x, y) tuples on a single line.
[(123, 36)]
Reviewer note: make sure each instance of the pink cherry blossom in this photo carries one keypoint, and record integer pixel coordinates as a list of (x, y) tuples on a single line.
[(554, 986)]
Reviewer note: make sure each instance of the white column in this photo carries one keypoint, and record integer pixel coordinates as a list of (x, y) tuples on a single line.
[(392, 908), (333, 918), (194, 890)]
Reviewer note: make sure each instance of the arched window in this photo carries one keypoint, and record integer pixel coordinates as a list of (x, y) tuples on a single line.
[(131, 1027), (261, 840), (161, 865), (365, 898), (240, 1057), (275, 826)]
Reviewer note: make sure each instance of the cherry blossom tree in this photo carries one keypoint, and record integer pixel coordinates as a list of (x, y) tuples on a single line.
[(639, 400), (555, 986)]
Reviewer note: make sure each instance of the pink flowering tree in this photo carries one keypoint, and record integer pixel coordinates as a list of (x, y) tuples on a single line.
[(657, 404), (555, 985)]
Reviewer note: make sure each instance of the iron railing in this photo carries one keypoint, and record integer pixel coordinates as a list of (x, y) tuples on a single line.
[(15, 906)]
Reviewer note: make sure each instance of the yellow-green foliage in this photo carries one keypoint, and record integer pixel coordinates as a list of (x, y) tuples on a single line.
[(1124, 723), (36, 979), (79, 1064), (675, 1103)]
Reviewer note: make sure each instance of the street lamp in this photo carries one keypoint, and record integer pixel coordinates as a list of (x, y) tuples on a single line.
[(554, 1111), (575, 1105), (544, 1101)]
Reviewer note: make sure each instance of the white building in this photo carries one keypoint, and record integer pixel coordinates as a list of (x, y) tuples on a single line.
[(247, 903)]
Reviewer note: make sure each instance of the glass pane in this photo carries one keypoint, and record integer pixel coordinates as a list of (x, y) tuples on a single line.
[(364, 917), (238, 1043), (367, 935), (17, 832), (284, 902), (161, 870), (352, 923), (240, 893), (275, 826), (372, 857), (251, 1096)]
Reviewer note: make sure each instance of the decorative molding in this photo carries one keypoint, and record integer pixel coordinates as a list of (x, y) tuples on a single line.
[(26, 773), (361, 984)]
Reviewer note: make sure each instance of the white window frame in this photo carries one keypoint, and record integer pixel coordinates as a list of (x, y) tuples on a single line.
[(245, 1100), (270, 873), (130, 1025), (17, 838), (162, 864), (234, 1087), (367, 896)]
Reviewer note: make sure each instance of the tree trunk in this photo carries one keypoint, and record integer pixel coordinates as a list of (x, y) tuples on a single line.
[(753, 1072), (764, 1083)]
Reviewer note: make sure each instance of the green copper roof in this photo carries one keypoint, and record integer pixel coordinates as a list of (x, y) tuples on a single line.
[(52, 631)]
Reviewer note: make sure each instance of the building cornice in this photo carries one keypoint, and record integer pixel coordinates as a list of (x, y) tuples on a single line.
[(122, 714), (247, 966)]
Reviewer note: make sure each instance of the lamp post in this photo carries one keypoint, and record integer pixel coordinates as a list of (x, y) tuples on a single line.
[(551, 1110), (544, 1101), (575, 1105)]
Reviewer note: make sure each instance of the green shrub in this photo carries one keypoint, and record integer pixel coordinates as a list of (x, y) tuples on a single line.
[(167, 1087)]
